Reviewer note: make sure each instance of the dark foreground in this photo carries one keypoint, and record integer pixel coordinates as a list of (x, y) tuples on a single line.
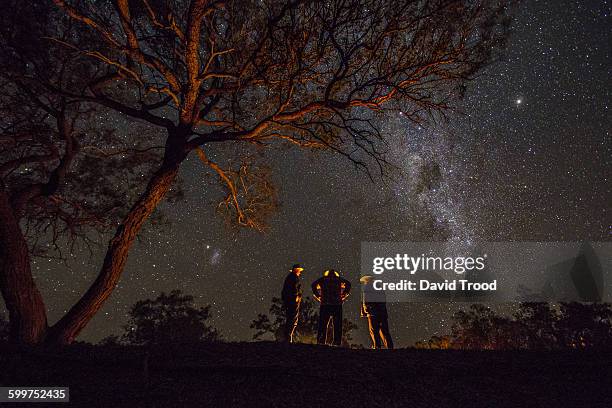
[(275, 375)]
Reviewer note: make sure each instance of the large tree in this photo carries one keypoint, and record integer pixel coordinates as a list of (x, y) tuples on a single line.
[(314, 74), (63, 176)]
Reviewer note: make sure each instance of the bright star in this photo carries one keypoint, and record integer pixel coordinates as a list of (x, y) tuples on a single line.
[(519, 101)]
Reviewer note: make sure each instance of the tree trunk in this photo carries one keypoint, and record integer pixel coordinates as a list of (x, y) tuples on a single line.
[(27, 314), (69, 326)]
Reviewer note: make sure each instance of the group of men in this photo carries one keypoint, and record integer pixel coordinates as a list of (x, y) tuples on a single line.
[(331, 290)]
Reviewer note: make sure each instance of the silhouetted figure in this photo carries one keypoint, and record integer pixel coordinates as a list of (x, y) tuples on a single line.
[(292, 297), (374, 307), (331, 290)]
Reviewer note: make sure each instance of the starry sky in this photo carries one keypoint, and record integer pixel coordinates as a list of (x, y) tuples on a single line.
[(527, 156)]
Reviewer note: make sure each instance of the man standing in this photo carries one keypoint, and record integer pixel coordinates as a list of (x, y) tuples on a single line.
[(331, 290), (292, 297), (374, 307)]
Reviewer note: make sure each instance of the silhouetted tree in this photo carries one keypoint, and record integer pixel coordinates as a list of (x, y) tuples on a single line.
[(314, 74), (170, 318), (473, 328), (534, 326), (584, 325), (306, 331)]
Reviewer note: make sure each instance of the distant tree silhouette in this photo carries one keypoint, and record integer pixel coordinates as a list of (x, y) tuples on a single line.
[(245, 74), (534, 326), (584, 325), (306, 331), (168, 319), (481, 328)]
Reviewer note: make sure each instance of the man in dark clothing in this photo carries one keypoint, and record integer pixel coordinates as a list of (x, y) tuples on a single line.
[(374, 307), (292, 297), (331, 290)]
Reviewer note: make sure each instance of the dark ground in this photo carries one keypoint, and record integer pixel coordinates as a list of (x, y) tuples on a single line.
[(274, 375)]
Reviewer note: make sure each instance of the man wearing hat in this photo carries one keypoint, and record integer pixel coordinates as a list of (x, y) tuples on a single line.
[(374, 307), (292, 297)]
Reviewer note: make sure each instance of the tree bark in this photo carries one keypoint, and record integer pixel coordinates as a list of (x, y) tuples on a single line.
[(27, 314), (69, 326)]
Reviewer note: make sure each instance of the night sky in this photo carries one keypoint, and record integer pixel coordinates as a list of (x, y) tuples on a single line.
[(527, 156)]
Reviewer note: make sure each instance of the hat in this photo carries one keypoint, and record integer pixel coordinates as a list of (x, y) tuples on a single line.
[(297, 266), (365, 279)]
